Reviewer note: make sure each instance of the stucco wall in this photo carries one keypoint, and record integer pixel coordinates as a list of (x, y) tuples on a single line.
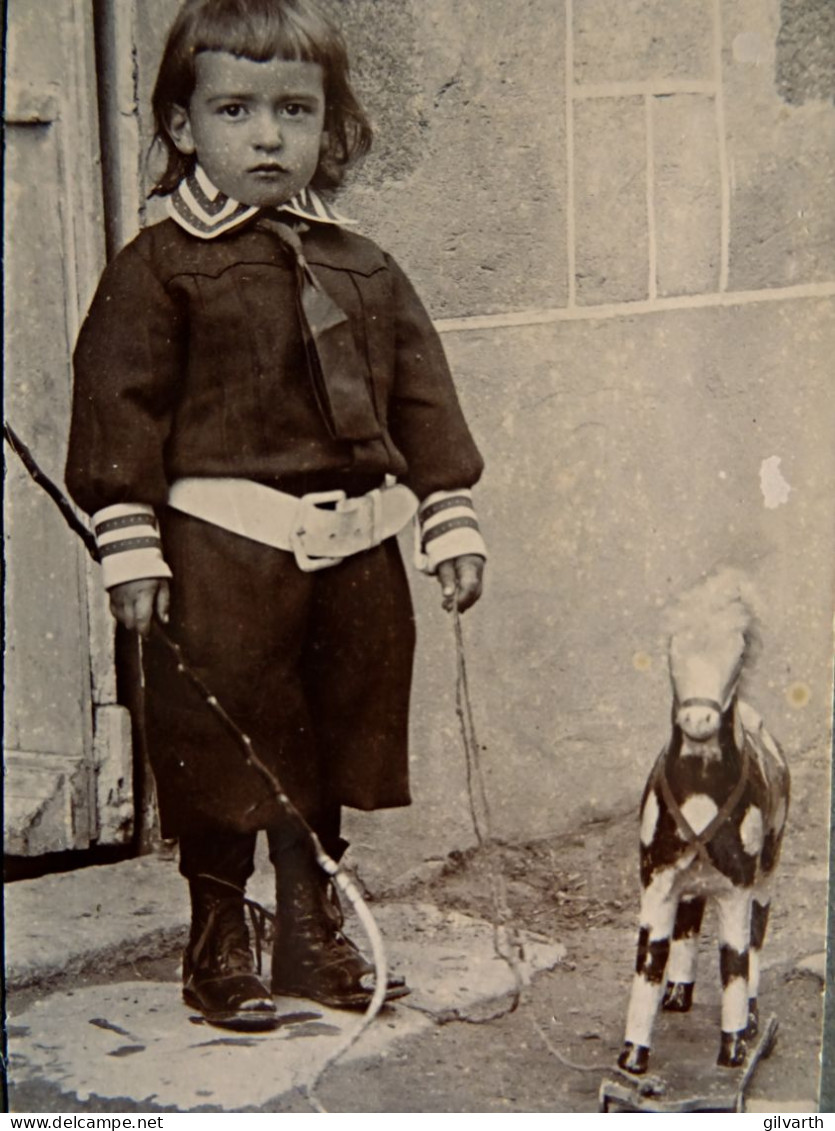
[(621, 216)]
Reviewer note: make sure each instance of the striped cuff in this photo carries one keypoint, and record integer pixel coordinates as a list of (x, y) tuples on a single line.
[(129, 544), (447, 527)]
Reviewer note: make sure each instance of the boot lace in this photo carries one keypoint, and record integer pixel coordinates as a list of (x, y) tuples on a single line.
[(225, 931)]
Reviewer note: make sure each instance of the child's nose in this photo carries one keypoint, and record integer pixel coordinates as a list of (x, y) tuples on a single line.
[(268, 135)]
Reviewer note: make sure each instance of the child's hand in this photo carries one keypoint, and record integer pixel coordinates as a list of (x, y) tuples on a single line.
[(461, 581), (133, 603)]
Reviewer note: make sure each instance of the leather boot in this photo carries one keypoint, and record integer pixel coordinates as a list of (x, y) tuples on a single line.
[(219, 976), (312, 958)]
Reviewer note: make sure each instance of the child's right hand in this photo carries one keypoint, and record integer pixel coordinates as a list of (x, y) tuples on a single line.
[(133, 603)]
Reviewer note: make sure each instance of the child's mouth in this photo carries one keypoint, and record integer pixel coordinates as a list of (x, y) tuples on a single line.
[(268, 170)]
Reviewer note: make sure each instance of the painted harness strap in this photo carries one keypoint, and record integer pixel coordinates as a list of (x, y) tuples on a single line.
[(701, 840)]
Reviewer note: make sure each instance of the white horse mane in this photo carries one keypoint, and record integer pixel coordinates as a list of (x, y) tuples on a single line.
[(719, 605)]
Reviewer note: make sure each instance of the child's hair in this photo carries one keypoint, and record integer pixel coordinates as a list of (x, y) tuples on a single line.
[(260, 30)]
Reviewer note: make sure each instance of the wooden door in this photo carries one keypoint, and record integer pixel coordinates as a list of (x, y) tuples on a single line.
[(67, 752)]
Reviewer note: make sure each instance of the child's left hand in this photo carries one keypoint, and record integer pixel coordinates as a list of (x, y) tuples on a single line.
[(461, 579)]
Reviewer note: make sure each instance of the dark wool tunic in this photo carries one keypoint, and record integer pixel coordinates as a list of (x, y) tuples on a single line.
[(191, 362)]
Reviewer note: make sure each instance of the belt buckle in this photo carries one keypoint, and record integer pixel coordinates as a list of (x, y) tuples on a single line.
[(298, 530)]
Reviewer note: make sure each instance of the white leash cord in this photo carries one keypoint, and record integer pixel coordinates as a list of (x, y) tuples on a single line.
[(506, 942)]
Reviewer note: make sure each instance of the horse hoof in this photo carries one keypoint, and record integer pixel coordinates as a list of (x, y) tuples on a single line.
[(634, 1059), (732, 1050), (753, 1026), (678, 997)]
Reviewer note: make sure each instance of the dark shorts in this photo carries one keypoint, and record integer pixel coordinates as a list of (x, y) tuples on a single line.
[(315, 667)]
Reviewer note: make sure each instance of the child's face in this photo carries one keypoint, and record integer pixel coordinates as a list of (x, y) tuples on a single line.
[(257, 128)]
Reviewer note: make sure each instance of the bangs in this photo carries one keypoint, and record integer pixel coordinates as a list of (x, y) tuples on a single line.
[(260, 31)]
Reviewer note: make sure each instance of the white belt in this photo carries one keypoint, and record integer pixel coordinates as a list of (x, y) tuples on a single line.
[(320, 529)]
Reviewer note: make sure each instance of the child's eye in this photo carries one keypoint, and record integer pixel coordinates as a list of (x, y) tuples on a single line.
[(294, 110), (232, 110)]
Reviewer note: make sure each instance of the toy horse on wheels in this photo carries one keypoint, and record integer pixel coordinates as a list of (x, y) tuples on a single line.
[(711, 823)]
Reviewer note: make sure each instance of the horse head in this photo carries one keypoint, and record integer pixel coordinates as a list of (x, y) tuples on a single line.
[(711, 631)]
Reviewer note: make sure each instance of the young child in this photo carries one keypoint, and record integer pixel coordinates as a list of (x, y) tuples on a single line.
[(261, 398)]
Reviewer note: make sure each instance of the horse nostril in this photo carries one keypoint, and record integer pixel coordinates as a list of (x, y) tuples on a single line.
[(698, 724)]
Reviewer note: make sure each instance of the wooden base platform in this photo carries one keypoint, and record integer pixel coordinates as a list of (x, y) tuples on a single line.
[(683, 1072)]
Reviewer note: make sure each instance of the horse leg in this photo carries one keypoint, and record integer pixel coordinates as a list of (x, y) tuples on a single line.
[(734, 935), (759, 924), (658, 912), (681, 971)]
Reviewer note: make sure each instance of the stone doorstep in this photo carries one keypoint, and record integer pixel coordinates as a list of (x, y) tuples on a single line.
[(46, 803)]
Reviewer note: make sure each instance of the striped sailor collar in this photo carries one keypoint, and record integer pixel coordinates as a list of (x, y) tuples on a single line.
[(204, 211)]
